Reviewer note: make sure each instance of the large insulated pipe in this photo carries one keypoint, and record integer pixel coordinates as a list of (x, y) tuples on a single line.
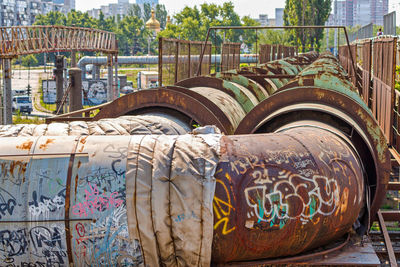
[(322, 93), (126, 200), (104, 200), (126, 125), (222, 99)]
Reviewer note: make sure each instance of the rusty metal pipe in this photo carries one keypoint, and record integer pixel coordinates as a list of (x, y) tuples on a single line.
[(284, 193), (304, 182), (322, 93)]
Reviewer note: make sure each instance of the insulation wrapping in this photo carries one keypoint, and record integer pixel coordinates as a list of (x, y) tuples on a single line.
[(125, 125), (170, 187)]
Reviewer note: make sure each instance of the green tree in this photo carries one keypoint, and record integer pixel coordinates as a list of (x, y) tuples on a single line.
[(306, 12), (135, 10), (249, 36), (52, 18), (161, 15), (79, 19), (131, 33), (193, 23), (29, 60), (146, 11)]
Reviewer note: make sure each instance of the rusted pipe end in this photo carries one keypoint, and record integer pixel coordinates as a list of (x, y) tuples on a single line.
[(341, 112), (285, 193)]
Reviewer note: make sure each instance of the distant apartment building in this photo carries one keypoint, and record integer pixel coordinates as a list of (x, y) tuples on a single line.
[(279, 17), (121, 8), (23, 12), (151, 2), (277, 21), (358, 12), (262, 19)]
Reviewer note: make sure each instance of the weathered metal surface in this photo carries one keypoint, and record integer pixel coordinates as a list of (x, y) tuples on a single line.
[(366, 64), (23, 40), (170, 100), (126, 125), (246, 99), (268, 187), (282, 194), (250, 84), (325, 72), (383, 80), (230, 56), (333, 108), (179, 59), (226, 103)]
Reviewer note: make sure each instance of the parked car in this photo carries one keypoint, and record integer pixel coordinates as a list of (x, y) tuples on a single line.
[(23, 103)]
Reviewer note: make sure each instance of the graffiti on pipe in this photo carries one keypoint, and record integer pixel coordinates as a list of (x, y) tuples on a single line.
[(222, 206), (276, 199)]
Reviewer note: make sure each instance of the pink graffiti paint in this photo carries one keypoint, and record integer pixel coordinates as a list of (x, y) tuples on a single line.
[(95, 201)]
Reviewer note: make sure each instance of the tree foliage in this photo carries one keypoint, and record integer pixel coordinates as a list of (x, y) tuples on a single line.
[(29, 60), (189, 24), (192, 23), (306, 12)]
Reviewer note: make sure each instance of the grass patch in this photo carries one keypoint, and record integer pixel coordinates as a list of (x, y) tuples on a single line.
[(19, 119), (131, 75)]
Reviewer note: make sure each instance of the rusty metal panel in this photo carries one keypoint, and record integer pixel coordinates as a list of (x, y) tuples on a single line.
[(179, 59), (350, 70), (265, 53), (167, 65), (383, 95), (274, 52), (366, 65), (279, 52), (230, 56)]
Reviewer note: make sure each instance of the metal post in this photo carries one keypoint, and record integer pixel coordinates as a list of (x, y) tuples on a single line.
[(7, 112), (109, 78), (73, 59), (160, 63), (59, 73), (75, 96), (116, 88)]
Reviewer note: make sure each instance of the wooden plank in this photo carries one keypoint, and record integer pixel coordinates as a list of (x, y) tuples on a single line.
[(388, 243)]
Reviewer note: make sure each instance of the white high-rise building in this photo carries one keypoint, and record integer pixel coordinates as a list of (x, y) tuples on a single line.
[(23, 12), (359, 12)]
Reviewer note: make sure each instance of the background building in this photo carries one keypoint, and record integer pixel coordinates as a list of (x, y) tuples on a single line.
[(358, 12), (23, 12), (121, 8), (277, 21), (279, 16)]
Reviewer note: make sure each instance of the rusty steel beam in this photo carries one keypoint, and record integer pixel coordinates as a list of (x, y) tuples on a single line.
[(24, 40)]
